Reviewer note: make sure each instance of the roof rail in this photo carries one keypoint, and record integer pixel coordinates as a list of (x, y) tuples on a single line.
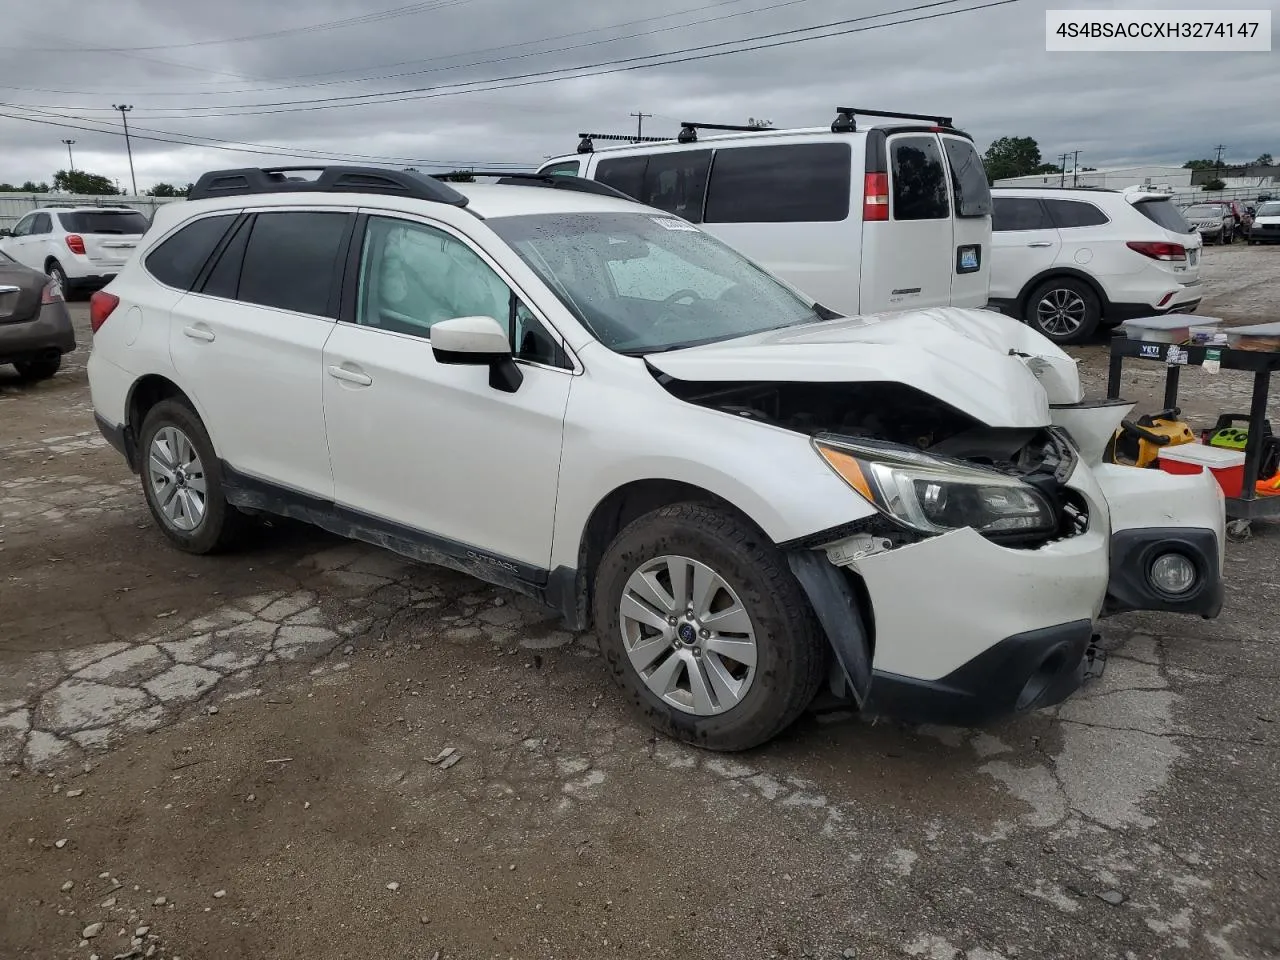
[(845, 123), (689, 130), (560, 181), (585, 145), (335, 179)]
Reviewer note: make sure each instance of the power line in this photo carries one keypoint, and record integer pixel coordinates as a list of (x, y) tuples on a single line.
[(269, 150), (673, 57), (478, 63)]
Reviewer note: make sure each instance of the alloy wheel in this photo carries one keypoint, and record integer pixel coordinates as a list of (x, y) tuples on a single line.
[(177, 479), (688, 635), (1061, 312)]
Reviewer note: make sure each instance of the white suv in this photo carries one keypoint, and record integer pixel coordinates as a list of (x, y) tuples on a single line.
[(1066, 260), (80, 247), (599, 405)]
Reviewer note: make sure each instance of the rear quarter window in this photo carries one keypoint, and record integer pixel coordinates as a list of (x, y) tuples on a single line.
[(783, 183), (1163, 213), (178, 260)]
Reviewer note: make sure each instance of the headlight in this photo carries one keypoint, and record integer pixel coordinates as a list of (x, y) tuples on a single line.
[(935, 495)]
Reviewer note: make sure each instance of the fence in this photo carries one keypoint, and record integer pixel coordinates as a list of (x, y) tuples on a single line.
[(15, 206)]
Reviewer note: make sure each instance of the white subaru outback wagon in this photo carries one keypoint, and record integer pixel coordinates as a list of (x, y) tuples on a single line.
[(597, 404)]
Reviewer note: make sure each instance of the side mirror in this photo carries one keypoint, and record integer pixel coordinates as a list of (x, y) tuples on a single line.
[(477, 341), (5, 232)]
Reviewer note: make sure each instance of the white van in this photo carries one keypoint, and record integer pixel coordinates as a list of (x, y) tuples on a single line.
[(863, 218)]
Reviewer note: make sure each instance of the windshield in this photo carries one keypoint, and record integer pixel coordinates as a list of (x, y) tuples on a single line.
[(1269, 210), (1205, 210), (643, 283)]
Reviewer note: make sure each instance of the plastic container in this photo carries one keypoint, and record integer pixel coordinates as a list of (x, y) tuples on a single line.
[(1227, 466), (1261, 337), (1169, 328)]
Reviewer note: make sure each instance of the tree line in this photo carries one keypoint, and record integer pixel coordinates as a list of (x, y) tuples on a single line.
[(89, 184), (1020, 157)]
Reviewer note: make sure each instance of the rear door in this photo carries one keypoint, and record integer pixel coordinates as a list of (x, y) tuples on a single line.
[(971, 229), (908, 260), (109, 236), (1024, 243), (249, 345)]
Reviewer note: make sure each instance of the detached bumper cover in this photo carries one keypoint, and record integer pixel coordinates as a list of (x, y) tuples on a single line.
[(1023, 672)]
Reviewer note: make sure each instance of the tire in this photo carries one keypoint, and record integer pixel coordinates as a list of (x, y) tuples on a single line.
[(1228, 237), (31, 370), (218, 525), (1064, 309), (790, 651), (55, 272)]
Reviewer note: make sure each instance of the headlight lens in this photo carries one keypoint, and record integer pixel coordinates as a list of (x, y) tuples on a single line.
[(933, 495)]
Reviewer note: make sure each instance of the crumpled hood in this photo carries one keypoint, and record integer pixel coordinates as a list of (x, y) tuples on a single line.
[(983, 363)]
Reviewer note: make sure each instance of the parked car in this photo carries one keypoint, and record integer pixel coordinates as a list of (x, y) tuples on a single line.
[(1213, 221), (80, 247), (600, 405), (861, 217), (1242, 217), (1266, 223), (1065, 260), (35, 328)]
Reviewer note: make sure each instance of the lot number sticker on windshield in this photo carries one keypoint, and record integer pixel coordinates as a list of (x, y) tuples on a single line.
[(670, 224)]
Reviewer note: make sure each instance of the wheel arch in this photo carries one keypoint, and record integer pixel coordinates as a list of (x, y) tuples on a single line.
[(1053, 272), (145, 393), (570, 589)]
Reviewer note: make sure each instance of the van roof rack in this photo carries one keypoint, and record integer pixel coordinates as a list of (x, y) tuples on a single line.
[(585, 145), (689, 129), (559, 181), (334, 179), (845, 122)]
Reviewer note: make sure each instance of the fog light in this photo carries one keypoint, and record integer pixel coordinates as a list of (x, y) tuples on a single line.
[(1172, 573)]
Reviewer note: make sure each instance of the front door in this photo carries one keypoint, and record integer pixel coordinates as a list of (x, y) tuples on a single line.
[(430, 449), (1025, 243)]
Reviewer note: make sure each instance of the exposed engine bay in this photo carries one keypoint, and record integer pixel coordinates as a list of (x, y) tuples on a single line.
[(895, 413)]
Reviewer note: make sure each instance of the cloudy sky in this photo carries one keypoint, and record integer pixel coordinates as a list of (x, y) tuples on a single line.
[(301, 80)]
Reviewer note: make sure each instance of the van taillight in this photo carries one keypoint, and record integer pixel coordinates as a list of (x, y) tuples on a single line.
[(100, 306), (875, 197), (75, 243), (1158, 249)]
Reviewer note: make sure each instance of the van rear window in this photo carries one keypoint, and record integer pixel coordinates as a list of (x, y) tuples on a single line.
[(968, 178), (782, 183), (918, 184)]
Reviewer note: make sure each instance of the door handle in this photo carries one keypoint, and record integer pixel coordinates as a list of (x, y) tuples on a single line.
[(1041, 243), (199, 333), (350, 376)]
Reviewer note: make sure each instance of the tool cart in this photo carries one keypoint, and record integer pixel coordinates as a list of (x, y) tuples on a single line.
[(1261, 357)]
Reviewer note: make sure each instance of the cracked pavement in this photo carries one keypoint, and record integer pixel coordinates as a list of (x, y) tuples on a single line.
[(242, 757)]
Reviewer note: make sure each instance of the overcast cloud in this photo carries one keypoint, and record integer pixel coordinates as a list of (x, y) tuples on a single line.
[(988, 69)]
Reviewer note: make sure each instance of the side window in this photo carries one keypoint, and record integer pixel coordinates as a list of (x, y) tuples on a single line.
[(224, 278), (968, 178), (178, 260), (919, 188), (1075, 213), (292, 262), (676, 182), (787, 183), (413, 276), (569, 167), (43, 224), (23, 226), (623, 173), (1019, 213)]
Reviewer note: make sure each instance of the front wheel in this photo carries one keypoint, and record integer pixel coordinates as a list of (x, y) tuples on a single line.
[(705, 629), (182, 481), (1064, 309)]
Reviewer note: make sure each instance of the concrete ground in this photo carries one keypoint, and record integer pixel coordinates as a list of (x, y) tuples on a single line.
[(241, 757)]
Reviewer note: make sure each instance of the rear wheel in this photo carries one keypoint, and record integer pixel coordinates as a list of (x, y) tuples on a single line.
[(182, 481), (38, 369), (705, 629), (1064, 309), (59, 276)]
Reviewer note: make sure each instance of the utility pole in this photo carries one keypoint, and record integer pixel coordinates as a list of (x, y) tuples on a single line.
[(1218, 168), (124, 109), (1075, 170), (1062, 158), (70, 163), (640, 118)]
